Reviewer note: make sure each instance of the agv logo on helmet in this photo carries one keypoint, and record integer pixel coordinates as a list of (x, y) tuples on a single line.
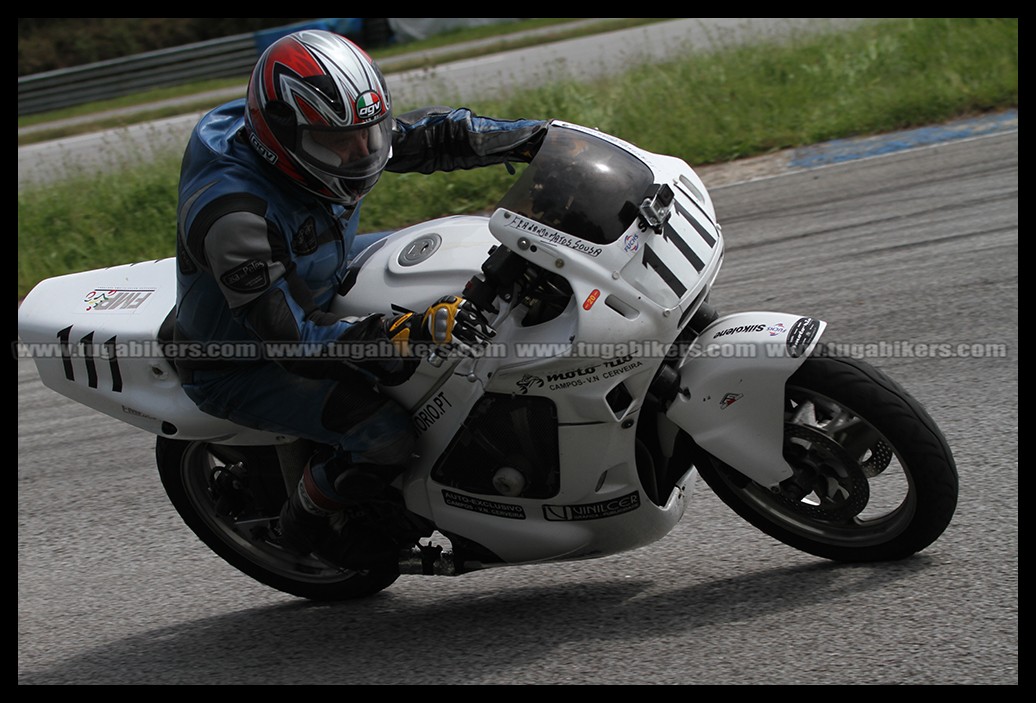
[(369, 106)]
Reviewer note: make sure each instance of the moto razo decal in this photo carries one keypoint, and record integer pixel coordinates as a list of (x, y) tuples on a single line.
[(562, 380)]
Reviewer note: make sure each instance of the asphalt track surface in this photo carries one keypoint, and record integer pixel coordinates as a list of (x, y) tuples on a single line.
[(913, 249)]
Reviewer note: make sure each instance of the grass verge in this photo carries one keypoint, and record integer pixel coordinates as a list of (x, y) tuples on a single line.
[(737, 102)]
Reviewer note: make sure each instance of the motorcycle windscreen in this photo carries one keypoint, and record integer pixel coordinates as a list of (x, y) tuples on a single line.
[(581, 185)]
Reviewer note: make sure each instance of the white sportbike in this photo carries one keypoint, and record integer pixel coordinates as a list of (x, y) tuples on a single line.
[(577, 431)]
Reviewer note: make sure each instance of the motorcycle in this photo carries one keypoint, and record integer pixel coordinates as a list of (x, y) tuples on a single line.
[(579, 430)]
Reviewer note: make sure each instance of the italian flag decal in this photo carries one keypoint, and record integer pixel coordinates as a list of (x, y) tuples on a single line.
[(368, 106)]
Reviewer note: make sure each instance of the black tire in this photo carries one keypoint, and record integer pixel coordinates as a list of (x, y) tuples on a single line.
[(244, 534), (889, 479)]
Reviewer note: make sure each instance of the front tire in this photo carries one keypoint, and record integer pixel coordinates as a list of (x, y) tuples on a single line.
[(231, 498), (875, 479)]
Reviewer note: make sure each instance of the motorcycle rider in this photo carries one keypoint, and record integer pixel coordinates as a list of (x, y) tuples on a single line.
[(269, 202)]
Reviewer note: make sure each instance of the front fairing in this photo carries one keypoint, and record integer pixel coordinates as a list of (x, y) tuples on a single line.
[(631, 282), (589, 367)]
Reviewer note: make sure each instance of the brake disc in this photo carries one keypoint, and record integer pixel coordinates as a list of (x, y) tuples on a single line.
[(837, 483)]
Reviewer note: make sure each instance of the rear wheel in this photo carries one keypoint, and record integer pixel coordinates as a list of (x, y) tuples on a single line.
[(231, 498), (874, 477)]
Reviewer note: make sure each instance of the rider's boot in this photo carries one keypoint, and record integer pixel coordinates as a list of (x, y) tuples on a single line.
[(324, 493), (305, 520)]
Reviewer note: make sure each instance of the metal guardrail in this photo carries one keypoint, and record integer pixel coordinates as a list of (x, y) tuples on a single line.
[(226, 57)]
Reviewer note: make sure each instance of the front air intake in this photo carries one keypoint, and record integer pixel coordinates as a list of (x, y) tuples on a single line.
[(504, 432)]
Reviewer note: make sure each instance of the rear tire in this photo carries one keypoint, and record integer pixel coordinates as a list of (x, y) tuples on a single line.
[(238, 522), (875, 477)]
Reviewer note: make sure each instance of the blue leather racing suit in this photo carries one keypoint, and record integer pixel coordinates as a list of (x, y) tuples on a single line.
[(259, 259)]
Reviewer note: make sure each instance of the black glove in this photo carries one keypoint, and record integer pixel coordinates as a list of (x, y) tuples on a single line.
[(525, 152), (450, 321)]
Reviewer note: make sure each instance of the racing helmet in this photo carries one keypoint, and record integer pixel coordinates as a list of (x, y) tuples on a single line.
[(319, 111)]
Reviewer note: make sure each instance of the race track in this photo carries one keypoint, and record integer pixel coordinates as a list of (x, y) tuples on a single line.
[(911, 256)]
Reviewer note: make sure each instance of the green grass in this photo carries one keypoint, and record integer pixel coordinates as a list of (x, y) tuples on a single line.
[(436, 49), (737, 102)]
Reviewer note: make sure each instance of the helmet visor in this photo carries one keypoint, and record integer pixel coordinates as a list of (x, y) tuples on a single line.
[(351, 152)]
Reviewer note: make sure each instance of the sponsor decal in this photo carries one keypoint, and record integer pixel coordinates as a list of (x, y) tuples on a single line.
[(116, 299), (742, 329), (631, 243), (801, 334), (480, 505), (369, 106), (592, 374), (591, 299), (529, 381), (131, 411), (304, 240), (434, 409), (552, 236), (774, 330), (729, 399), (249, 277), (593, 511)]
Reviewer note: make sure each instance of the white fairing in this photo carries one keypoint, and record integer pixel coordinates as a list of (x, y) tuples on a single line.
[(733, 379), (95, 338)]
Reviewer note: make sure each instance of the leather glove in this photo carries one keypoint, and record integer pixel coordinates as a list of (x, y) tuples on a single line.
[(450, 320), (525, 151)]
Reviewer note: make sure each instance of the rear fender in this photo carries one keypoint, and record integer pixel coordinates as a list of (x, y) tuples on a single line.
[(731, 399)]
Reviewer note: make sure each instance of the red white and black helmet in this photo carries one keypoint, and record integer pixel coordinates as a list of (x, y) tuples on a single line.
[(319, 110)]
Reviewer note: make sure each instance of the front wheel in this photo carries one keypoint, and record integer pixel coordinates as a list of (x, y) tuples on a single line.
[(231, 498), (874, 477)]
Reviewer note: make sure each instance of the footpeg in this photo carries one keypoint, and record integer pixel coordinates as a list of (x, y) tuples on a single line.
[(428, 560)]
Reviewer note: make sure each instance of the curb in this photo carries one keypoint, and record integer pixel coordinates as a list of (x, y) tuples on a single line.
[(839, 151)]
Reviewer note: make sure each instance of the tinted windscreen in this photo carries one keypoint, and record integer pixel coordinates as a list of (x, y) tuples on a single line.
[(581, 185)]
